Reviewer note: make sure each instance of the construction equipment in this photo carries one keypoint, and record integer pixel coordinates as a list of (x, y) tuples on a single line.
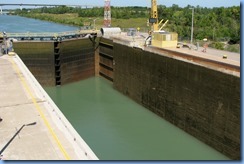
[(159, 37), (154, 15), (156, 26)]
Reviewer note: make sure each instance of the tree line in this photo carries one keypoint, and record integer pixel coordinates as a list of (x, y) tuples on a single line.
[(213, 23), (218, 23)]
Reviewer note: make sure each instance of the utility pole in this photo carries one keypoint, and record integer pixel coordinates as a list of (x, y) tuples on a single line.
[(94, 23), (192, 20)]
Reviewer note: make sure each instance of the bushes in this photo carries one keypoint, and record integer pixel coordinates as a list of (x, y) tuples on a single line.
[(217, 45), (228, 47), (233, 48)]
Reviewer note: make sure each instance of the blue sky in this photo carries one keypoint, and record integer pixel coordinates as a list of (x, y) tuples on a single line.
[(181, 3)]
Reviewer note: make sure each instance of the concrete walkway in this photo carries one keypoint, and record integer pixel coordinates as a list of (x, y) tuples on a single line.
[(49, 135), (212, 59)]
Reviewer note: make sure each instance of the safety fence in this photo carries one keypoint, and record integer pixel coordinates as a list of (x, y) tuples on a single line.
[(51, 35)]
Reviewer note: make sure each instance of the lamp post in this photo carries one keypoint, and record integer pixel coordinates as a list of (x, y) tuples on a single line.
[(94, 23), (192, 24), (30, 124)]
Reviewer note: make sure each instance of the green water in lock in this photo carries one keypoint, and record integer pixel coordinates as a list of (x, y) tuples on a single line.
[(117, 128)]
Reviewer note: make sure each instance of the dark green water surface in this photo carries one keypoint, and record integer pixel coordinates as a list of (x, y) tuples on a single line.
[(117, 128)]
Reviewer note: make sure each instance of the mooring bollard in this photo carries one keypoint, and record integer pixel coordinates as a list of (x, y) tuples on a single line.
[(224, 56)]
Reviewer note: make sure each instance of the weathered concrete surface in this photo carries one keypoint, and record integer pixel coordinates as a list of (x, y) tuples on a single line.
[(200, 98), (23, 101)]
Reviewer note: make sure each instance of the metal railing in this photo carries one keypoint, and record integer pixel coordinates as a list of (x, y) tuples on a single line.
[(51, 34)]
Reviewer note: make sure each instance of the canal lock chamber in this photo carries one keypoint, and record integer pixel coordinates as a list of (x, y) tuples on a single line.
[(178, 91)]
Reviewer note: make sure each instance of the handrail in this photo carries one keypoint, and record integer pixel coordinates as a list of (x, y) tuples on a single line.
[(51, 34)]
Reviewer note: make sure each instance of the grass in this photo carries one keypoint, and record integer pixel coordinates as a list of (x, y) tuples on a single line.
[(70, 19), (73, 19)]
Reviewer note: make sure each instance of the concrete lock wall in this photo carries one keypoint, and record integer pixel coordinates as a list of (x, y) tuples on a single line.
[(203, 102), (75, 60)]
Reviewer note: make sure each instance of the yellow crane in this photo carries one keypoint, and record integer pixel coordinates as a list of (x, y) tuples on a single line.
[(156, 25), (154, 15), (158, 37)]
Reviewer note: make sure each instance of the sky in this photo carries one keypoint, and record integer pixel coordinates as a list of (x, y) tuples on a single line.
[(181, 3)]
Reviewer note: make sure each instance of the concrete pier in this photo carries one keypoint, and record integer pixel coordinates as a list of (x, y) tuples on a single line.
[(33, 128)]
